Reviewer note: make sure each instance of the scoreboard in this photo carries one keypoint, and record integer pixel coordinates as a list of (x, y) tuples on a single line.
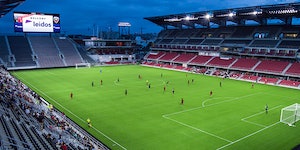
[(36, 22)]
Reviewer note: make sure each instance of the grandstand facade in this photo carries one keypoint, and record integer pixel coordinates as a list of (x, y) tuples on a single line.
[(223, 43)]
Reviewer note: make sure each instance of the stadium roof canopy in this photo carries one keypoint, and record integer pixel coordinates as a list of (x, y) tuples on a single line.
[(7, 5), (239, 16)]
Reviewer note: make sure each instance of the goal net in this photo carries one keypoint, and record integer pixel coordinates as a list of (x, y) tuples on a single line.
[(82, 65), (290, 114)]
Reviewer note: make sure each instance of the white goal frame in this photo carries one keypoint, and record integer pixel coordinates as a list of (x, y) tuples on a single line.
[(82, 65), (290, 114)]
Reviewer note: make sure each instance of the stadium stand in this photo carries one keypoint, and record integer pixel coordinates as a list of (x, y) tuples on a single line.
[(183, 58), (153, 56), (221, 62), (289, 83), (168, 56), (244, 64), (27, 121), (46, 51), (266, 50), (201, 60), (294, 69), (69, 51), (4, 53), (21, 51), (271, 66)]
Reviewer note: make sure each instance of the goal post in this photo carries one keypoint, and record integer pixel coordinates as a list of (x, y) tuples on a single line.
[(82, 65), (290, 114)]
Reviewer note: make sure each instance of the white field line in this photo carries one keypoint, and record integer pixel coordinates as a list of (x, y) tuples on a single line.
[(197, 129), (248, 135), (183, 111), (245, 119), (230, 142), (73, 113), (210, 99), (237, 98)]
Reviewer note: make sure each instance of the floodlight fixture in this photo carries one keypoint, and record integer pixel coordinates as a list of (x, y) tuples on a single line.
[(231, 14), (208, 16), (187, 18)]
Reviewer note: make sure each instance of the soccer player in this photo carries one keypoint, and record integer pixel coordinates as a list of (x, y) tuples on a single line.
[(182, 101), (147, 82), (220, 84), (71, 95), (101, 82), (125, 91), (252, 85), (161, 75), (192, 80), (267, 108), (210, 93), (173, 91), (149, 85), (89, 122), (164, 88), (92, 83), (188, 82), (118, 80)]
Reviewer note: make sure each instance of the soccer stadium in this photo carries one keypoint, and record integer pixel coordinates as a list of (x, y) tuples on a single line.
[(224, 79)]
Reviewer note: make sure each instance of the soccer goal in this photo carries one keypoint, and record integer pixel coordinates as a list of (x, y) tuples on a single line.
[(290, 114), (82, 65)]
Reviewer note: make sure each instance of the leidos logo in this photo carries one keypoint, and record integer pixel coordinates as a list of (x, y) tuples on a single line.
[(39, 24)]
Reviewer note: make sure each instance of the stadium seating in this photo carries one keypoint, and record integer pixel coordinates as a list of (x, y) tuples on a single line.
[(264, 43), (201, 60), (271, 66), (244, 64), (152, 56), (20, 48), (168, 56), (267, 80), (70, 53), (26, 122), (47, 53), (183, 58), (289, 83), (4, 53), (217, 61), (249, 77), (294, 69)]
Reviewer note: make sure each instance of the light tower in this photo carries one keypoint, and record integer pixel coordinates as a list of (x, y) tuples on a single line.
[(124, 28)]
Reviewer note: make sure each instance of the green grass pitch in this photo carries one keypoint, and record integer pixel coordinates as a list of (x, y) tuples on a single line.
[(233, 117)]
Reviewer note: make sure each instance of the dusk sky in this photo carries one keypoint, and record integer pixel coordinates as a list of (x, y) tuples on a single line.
[(79, 16)]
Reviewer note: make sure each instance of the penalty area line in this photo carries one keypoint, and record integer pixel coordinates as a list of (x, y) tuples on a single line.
[(262, 112), (248, 135), (197, 129), (73, 113)]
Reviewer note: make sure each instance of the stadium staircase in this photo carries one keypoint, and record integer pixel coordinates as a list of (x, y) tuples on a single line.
[(60, 53), (233, 63), (252, 69), (287, 68)]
